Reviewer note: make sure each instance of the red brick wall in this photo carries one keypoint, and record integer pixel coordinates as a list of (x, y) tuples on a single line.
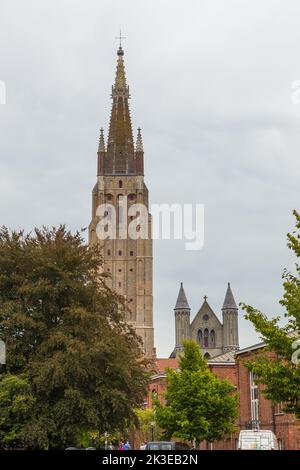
[(226, 371)]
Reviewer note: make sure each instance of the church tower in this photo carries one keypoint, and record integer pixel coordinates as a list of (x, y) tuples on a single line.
[(182, 320), (120, 184), (230, 322)]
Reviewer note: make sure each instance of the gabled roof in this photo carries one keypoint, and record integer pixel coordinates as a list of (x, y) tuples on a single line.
[(205, 307), (182, 302)]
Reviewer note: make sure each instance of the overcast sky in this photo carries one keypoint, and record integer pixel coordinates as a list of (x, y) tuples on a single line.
[(211, 88)]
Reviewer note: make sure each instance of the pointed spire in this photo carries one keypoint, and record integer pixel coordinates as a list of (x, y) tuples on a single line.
[(101, 146), (120, 81), (139, 142), (229, 302), (182, 302), (120, 148)]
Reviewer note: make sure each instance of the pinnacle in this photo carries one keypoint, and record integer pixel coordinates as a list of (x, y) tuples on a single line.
[(139, 142), (229, 301), (101, 146), (182, 302)]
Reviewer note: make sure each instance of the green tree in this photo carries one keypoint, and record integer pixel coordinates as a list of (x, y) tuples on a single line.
[(279, 370), (147, 425), (16, 405), (66, 330), (199, 406)]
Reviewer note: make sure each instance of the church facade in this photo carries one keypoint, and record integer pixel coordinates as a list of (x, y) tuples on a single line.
[(120, 185), (214, 337)]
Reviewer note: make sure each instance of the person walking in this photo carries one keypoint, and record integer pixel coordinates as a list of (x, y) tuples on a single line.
[(127, 446), (121, 446)]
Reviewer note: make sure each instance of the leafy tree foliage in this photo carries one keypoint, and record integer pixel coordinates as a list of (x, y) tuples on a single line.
[(199, 406), (147, 426), (279, 371), (16, 405), (66, 330)]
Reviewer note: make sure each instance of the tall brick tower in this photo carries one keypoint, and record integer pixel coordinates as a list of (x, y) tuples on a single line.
[(120, 177)]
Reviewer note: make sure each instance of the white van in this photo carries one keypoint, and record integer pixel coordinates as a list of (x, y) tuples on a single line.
[(257, 440)]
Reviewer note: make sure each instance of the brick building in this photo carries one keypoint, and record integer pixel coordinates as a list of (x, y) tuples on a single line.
[(255, 411)]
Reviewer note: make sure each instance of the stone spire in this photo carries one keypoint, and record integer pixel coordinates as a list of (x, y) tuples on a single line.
[(101, 146), (120, 148), (229, 301), (182, 320), (182, 303), (139, 153), (230, 322), (139, 142)]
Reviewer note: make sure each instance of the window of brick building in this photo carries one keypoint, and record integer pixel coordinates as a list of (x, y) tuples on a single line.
[(254, 399), (280, 444)]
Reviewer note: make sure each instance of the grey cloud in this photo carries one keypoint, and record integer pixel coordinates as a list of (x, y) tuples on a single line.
[(210, 85)]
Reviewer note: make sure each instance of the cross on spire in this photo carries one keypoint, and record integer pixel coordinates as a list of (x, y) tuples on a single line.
[(120, 38), (205, 298)]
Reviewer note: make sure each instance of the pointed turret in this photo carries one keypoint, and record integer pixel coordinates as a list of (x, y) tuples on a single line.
[(101, 146), (182, 303), (101, 153), (229, 301), (182, 320), (139, 142), (230, 322), (139, 153)]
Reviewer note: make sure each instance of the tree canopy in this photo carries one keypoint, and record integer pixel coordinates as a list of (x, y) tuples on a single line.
[(16, 405), (199, 406), (65, 330), (279, 370)]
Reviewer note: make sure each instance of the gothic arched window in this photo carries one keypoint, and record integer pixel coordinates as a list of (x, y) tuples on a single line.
[(206, 336), (213, 338), (200, 337), (120, 184)]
